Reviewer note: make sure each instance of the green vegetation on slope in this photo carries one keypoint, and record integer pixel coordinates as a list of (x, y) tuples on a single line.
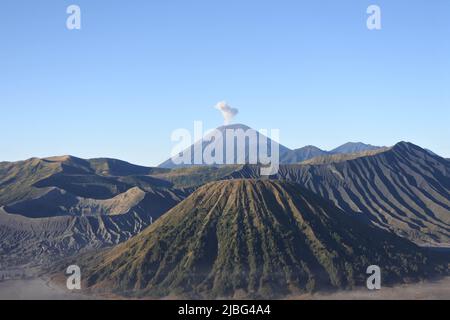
[(250, 239)]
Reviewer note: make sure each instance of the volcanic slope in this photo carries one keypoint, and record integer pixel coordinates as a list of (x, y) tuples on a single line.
[(404, 189), (253, 239), (59, 206)]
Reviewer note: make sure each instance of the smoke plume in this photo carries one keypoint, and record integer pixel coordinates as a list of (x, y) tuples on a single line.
[(227, 111)]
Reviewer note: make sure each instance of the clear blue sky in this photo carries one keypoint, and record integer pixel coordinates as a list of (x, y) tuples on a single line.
[(140, 69)]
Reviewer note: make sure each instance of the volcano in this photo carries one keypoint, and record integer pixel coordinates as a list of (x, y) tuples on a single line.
[(253, 239)]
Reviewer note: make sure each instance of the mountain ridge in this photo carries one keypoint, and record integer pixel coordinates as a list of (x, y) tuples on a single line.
[(287, 155), (404, 189), (354, 147)]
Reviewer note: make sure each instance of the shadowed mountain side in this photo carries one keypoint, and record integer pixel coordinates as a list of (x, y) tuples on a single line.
[(58, 202), (54, 223), (67, 204), (44, 240), (302, 154), (103, 223), (252, 239), (404, 189)]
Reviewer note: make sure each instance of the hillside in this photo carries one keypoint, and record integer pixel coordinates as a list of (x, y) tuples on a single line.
[(55, 207), (43, 241), (404, 189), (42, 230), (249, 238)]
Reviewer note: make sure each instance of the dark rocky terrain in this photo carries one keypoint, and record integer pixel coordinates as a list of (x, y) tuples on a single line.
[(404, 189), (55, 207)]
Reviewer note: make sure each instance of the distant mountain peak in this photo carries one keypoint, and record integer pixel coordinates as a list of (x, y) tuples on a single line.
[(354, 147), (252, 140), (234, 126), (309, 147)]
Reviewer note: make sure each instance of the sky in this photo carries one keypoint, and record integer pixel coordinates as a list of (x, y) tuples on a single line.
[(138, 70)]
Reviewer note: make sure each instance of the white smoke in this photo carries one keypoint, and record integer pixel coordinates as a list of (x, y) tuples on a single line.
[(227, 111)]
